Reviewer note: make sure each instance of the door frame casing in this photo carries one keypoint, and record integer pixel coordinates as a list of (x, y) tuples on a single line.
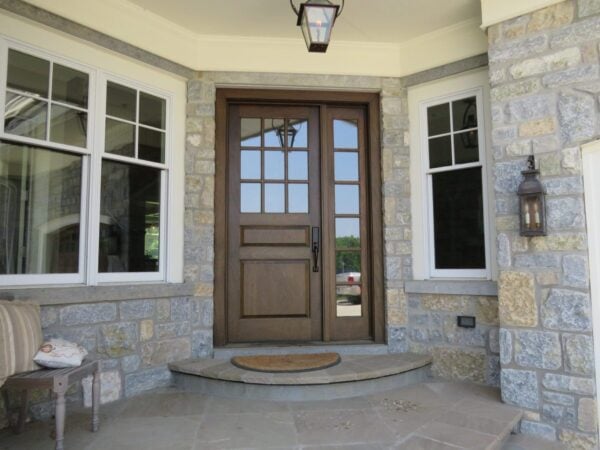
[(370, 102)]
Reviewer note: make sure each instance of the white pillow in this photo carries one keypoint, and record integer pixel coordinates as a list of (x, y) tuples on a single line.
[(58, 354)]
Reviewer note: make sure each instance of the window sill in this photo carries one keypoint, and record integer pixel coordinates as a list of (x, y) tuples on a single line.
[(452, 287), (65, 295)]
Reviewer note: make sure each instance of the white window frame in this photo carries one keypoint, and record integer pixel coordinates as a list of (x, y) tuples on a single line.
[(92, 156), (421, 98)]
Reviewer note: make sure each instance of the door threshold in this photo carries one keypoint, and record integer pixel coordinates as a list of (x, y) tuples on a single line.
[(295, 344), (343, 348)]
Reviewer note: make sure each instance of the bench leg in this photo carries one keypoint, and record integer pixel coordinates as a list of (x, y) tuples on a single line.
[(23, 411), (60, 420), (95, 401)]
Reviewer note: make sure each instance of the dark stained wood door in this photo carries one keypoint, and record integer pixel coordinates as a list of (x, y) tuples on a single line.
[(274, 273)]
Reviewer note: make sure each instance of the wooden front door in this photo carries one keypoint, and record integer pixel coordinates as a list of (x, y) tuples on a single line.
[(297, 233)]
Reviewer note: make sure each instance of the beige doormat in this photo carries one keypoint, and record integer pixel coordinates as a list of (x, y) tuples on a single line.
[(287, 363)]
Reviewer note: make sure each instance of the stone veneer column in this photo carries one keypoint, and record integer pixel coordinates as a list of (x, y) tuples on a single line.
[(545, 77)]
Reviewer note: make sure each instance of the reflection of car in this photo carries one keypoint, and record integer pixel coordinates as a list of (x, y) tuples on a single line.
[(352, 292)]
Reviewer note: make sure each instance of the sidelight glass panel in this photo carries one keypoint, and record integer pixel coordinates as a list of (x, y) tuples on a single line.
[(70, 86), (297, 198), (438, 119), (346, 199), (250, 165), (151, 145), (347, 233), (348, 288), (130, 218), (298, 138), (345, 134), (346, 166), (250, 198), (274, 133), (274, 198), (458, 219), (464, 113), (68, 126), (440, 152), (119, 138), (347, 266), (275, 165), (250, 132), (298, 166), (25, 116), (27, 73), (121, 102), (40, 210), (466, 147), (152, 111)]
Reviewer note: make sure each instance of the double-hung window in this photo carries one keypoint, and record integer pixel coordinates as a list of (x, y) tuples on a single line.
[(84, 169), (454, 170)]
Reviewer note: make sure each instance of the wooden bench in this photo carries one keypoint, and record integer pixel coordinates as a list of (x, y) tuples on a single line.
[(59, 381)]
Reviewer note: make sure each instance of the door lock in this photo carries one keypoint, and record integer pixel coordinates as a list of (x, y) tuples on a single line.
[(316, 243)]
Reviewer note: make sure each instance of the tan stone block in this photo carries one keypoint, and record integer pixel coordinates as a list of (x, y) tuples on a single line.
[(516, 300), (146, 330), (204, 290), (454, 303), (486, 310), (552, 17), (550, 164), (507, 223), (163, 309), (396, 316), (578, 441), (458, 364), (587, 414), (389, 208), (547, 278), (206, 217), (520, 244), (532, 416), (559, 242), (515, 29), (494, 34), (537, 127)]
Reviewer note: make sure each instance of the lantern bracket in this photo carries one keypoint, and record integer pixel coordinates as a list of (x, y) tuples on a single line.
[(298, 12)]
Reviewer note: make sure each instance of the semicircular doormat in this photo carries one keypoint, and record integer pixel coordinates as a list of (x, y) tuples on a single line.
[(287, 363)]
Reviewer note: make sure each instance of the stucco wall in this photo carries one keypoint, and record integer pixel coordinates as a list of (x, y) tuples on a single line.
[(545, 73)]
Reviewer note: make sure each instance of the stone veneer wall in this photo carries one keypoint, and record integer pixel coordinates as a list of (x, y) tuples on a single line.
[(545, 76)]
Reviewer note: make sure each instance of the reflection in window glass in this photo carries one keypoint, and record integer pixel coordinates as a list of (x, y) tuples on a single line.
[(466, 147), (347, 233), (69, 86), (130, 218), (297, 198), (27, 73), (250, 132), (250, 198), (250, 165), (152, 111), (345, 134), (121, 102), (25, 116), (440, 152), (120, 138), (464, 113), (40, 208), (347, 263), (68, 126), (274, 133), (274, 198), (151, 145), (299, 137), (346, 199), (274, 165), (298, 166), (346, 166), (438, 119)]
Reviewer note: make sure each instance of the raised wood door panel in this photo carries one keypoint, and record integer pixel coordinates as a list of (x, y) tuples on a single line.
[(274, 201)]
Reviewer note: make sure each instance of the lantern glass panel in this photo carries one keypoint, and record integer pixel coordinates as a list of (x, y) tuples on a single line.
[(319, 20), (532, 213)]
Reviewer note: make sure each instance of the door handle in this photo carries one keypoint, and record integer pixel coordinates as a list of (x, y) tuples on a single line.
[(316, 244)]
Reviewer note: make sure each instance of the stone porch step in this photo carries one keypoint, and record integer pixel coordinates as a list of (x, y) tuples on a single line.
[(343, 349), (355, 375)]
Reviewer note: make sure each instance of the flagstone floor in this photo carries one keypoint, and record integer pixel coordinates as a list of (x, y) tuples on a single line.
[(427, 416)]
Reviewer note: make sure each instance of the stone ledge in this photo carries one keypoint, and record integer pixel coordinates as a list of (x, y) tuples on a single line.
[(49, 295), (462, 287)]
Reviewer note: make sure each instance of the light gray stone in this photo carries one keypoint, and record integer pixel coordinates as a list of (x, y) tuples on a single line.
[(171, 330), (537, 260), (575, 271), (567, 310), (540, 430), (504, 134), (577, 33), (138, 382), (181, 309), (88, 313), (559, 399), (110, 388), (130, 363), (136, 309), (579, 354), (492, 376), (504, 253), (568, 384), (508, 176), (517, 49), (202, 313), (494, 340), (202, 343), (553, 413), (565, 213), (571, 76), (537, 349), (84, 336), (577, 117), (564, 186), (397, 340), (49, 316), (520, 388), (118, 339), (506, 346), (588, 7), (531, 107), (162, 352)]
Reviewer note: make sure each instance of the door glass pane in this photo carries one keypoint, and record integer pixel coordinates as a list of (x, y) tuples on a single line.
[(250, 165), (300, 133), (151, 145), (346, 199), (348, 301), (440, 152), (438, 119), (70, 86), (274, 165), (298, 198), (466, 147), (274, 133), (120, 138), (347, 233), (464, 113), (298, 166), (129, 218), (345, 134), (40, 208), (68, 126), (274, 198), (347, 267), (250, 132), (28, 73), (25, 116), (152, 111), (458, 219), (346, 166), (250, 198), (120, 102)]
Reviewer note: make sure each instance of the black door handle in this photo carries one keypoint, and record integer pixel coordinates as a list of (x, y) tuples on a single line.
[(316, 244)]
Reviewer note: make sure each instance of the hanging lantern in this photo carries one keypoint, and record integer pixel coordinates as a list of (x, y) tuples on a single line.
[(532, 202), (316, 19)]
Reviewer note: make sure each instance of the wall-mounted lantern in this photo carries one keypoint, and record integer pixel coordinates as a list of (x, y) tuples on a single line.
[(316, 18), (532, 202)]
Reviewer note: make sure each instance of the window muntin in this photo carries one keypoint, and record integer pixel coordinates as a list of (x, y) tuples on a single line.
[(455, 179)]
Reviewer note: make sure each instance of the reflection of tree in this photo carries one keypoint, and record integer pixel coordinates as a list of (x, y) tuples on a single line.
[(347, 261)]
